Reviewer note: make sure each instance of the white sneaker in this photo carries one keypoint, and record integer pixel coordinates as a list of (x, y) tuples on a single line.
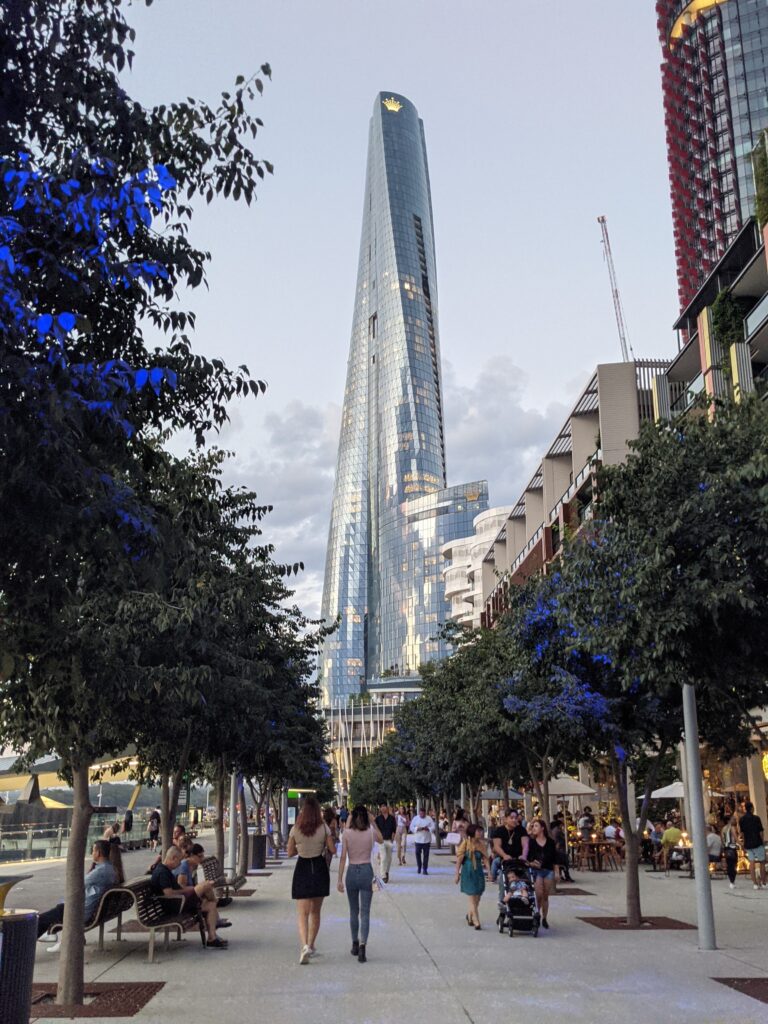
[(755, 887), (732, 885), (305, 955), (55, 947), (312, 951), (48, 937)]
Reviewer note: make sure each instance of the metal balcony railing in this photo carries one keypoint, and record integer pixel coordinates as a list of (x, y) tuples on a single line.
[(689, 396), (756, 317)]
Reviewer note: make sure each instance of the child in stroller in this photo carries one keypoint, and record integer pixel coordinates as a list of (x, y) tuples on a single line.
[(518, 909)]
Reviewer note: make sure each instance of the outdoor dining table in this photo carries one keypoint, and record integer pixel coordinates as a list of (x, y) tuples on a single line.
[(594, 850)]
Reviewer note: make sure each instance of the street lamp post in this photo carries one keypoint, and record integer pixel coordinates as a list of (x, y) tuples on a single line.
[(696, 823)]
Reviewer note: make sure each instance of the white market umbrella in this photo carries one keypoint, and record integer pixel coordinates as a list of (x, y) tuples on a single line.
[(674, 791), (564, 785)]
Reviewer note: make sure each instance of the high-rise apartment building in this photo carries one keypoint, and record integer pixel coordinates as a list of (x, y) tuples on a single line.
[(715, 85), (391, 510)]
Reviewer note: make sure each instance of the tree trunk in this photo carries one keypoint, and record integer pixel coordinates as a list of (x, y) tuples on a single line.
[(267, 810), (279, 823), (242, 867), (166, 825), (72, 957), (633, 833), (259, 802), (631, 846), (178, 778), (218, 827)]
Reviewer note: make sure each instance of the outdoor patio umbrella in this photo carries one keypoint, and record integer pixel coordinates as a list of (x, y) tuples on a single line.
[(564, 785), (674, 791)]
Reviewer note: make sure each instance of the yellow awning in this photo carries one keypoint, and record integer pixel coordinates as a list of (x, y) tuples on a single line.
[(46, 780), (47, 802)]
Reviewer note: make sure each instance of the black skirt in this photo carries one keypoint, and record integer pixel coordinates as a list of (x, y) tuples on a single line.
[(311, 878)]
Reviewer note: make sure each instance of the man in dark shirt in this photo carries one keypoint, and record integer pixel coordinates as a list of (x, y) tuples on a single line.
[(510, 842), (387, 825), (751, 828), (165, 883)]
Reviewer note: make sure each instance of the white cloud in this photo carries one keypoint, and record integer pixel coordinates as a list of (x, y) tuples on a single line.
[(490, 435)]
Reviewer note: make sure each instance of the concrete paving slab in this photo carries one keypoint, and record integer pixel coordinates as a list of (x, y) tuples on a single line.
[(422, 955)]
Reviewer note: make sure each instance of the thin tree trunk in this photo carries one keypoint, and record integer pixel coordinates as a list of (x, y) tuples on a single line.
[(267, 809), (72, 957), (631, 846), (536, 782), (258, 802), (166, 826), (242, 868), (218, 828), (178, 777)]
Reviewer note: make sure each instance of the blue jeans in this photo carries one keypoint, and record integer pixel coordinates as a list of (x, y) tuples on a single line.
[(359, 883)]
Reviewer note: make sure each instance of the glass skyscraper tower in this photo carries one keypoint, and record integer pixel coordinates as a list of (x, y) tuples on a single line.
[(715, 84), (391, 508)]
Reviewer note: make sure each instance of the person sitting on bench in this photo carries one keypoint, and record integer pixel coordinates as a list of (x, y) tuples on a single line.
[(101, 877), (196, 897)]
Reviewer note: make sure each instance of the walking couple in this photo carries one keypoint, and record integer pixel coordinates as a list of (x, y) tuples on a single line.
[(310, 838)]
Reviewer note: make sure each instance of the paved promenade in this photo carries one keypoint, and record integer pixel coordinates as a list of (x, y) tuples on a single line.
[(426, 965)]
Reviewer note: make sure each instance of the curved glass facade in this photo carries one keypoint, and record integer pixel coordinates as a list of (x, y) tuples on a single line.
[(392, 447)]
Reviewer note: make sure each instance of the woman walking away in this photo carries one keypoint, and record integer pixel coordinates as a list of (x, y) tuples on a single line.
[(542, 854), (731, 845), (471, 866), (356, 848), (401, 833), (310, 838)]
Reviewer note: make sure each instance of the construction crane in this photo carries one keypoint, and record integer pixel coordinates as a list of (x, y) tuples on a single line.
[(618, 309)]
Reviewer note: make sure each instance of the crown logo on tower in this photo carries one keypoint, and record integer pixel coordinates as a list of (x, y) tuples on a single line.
[(393, 104)]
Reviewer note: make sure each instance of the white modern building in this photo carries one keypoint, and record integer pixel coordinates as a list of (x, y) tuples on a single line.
[(463, 568)]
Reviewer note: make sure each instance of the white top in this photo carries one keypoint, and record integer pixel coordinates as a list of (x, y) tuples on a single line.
[(714, 844), (418, 824), (610, 832), (402, 822)]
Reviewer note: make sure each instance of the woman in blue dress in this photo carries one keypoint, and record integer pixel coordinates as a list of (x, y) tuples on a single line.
[(471, 867)]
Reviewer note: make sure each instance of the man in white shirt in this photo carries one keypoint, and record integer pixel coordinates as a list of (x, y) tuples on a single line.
[(422, 827)]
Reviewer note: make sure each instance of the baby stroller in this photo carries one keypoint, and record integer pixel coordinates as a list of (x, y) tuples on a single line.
[(521, 912)]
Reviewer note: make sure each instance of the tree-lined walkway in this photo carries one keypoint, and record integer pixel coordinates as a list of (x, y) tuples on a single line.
[(425, 962)]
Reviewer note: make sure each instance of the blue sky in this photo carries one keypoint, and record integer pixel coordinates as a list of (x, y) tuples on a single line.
[(539, 116)]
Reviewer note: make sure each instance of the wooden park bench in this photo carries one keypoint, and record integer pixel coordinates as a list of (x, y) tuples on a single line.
[(225, 887), (162, 914), (112, 904)]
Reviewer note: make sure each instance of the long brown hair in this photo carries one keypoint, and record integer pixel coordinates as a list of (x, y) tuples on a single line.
[(543, 824), (310, 816), (116, 860), (360, 818)]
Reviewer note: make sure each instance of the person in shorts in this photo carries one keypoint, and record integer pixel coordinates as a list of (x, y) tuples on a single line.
[(196, 898), (751, 828), (542, 854)]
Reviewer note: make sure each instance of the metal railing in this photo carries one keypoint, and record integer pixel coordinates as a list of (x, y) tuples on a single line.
[(39, 841), (689, 396), (574, 487), (756, 317)]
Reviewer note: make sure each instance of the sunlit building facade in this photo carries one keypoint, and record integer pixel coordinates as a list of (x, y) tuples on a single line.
[(391, 510), (715, 85)]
